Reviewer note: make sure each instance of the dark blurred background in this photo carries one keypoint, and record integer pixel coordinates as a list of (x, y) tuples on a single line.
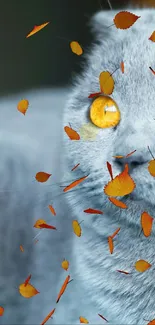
[(45, 59)]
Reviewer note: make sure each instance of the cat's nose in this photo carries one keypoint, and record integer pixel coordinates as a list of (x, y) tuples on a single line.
[(134, 160)]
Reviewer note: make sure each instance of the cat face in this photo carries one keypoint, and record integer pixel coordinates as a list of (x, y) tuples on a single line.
[(134, 93)]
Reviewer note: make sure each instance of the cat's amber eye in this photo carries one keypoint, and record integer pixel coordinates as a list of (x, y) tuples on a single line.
[(104, 112)]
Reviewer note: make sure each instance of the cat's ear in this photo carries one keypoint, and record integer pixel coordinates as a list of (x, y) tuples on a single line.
[(100, 23)]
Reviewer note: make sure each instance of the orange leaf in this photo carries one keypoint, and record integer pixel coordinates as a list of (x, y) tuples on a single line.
[(118, 157), (111, 244), (27, 291), (37, 29), (121, 185), (22, 106), (146, 223), (52, 210), (45, 226), (142, 266), (122, 66), (27, 280), (76, 228), (117, 203), (72, 134), (103, 317), (94, 95), (75, 167), (65, 265), (110, 169), (75, 183), (124, 272), (93, 211), (21, 248), (151, 167), (1, 311), (115, 233), (152, 70), (63, 288), (48, 316), (38, 223), (42, 177), (125, 19), (152, 322), (152, 37), (76, 48), (129, 154), (83, 320), (106, 83)]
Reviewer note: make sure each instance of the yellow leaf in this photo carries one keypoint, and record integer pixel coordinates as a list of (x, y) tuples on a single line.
[(37, 29), (152, 37), (42, 177), (76, 48), (38, 223), (65, 265), (151, 167), (146, 223), (83, 320), (27, 291), (125, 19), (76, 228), (142, 266), (121, 185), (88, 131), (106, 82), (22, 106)]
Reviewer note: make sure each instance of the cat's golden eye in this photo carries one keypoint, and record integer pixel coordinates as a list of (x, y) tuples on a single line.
[(104, 112)]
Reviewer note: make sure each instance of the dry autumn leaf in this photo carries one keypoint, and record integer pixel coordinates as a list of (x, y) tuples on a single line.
[(110, 170), (122, 66), (22, 106), (27, 280), (76, 228), (42, 177), (75, 183), (106, 83), (94, 95), (142, 266), (48, 316), (88, 131), (45, 226), (121, 185), (124, 19), (76, 48), (111, 244), (39, 222), (21, 248), (93, 211), (146, 223), (115, 232), (27, 291), (65, 265), (37, 29), (103, 317), (63, 288), (128, 155), (72, 134), (152, 322), (124, 272), (117, 203), (1, 311), (152, 37), (52, 210), (75, 167), (151, 167), (83, 320)]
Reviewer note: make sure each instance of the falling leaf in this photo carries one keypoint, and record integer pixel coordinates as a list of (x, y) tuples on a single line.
[(37, 29), (48, 316), (152, 322), (125, 19), (151, 167), (122, 66), (76, 48), (146, 223), (52, 210), (88, 131), (42, 177), (152, 37), (76, 228), (121, 185), (65, 265), (83, 320), (39, 222), (45, 226), (75, 167), (124, 272), (118, 157), (110, 170), (94, 95), (1, 311), (93, 211), (75, 183), (153, 71), (21, 248), (115, 233), (63, 288), (142, 266), (72, 134), (111, 245), (27, 280), (27, 291), (103, 318), (22, 106), (129, 154), (106, 83), (117, 203)]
